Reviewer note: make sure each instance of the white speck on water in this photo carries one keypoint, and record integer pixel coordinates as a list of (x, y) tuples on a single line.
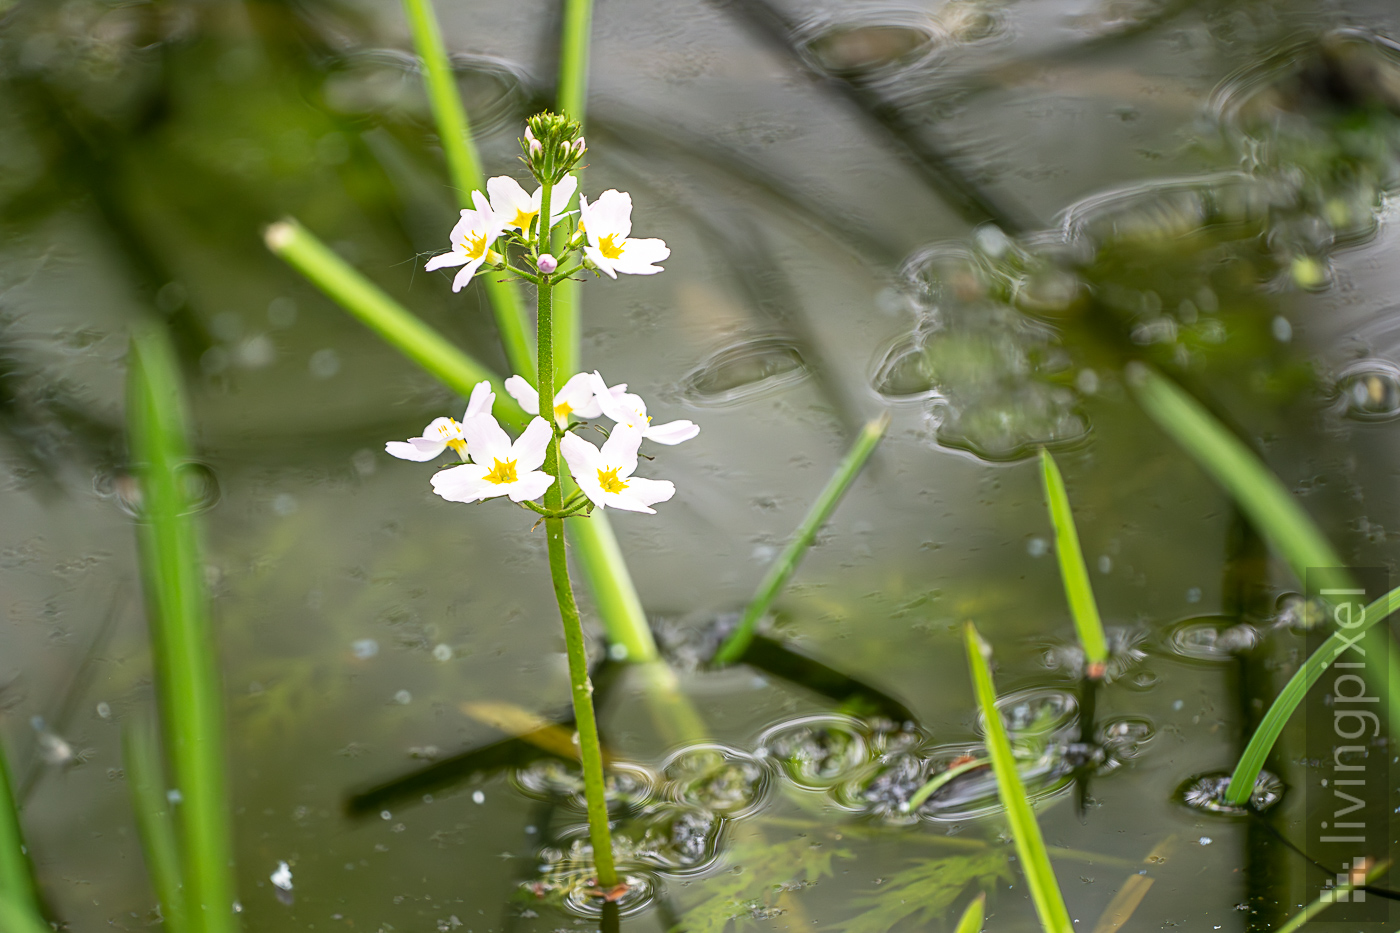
[(284, 504), (282, 877), (1087, 381), (478, 797), (104, 710), (385, 815), (617, 651), (443, 652), (365, 648), (1193, 595), (1205, 840), (1105, 564), (530, 830), (1178, 704), (1037, 547), (174, 796), (764, 553), (403, 698), (324, 363), (1283, 332)]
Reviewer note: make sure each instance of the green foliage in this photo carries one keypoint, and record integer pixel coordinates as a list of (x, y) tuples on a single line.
[(1075, 575), (973, 916), (761, 872), (926, 890), (16, 875)]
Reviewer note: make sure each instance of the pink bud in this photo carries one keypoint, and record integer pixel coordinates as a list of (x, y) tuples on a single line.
[(547, 263), (579, 146)]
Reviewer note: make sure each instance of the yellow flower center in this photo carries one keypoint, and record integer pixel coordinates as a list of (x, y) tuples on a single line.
[(608, 248), (523, 219), (460, 446), (451, 436), (609, 481), (475, 245), (563, 410), (502, 472)]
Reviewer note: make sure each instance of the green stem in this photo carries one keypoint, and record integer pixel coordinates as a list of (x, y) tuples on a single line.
[(154, 823), (182, 640), (345, 286), (590, 750), (464, 168), (572, 101), (1078, 591), (15, 918), (782, 569), (938, 780), (17, 887)]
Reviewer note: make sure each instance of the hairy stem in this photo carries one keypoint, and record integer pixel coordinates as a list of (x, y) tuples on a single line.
[(590, 751)]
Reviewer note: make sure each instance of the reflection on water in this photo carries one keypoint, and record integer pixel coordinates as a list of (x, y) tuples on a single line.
[(744, 371)]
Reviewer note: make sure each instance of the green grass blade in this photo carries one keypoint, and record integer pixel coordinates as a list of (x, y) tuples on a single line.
[(1292, 694), (571, 100), (1318, 906), (1078, 591), (1030, 847), (17, 888), (782, 569), (973, 916), (182, 640), (1276, 514), (301, 250), (17, 918), (938, 780), (464, 168), (614, 596), (154, 822)]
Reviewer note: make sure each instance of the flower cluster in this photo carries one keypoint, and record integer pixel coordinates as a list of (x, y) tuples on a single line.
[(492, 465)]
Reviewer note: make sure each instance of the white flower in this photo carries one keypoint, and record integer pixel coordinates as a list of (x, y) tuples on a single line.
[(606, 476), (499, 468), (471, 242), (518, 209), (443, 433), (629, 410), (575, 398), (608, 221)]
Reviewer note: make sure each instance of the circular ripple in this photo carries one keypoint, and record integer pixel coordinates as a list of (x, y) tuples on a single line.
[(1369, 390), (817, 752), (628, 785), (1207, 792), (1212, 638), (724, 780), (1035, 712)]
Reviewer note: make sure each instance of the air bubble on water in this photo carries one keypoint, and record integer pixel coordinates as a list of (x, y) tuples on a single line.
[(1125, 737), (1281, 329), (1212, 638), (282, 877), (324, 363), (104, 710), (1105, 564), (1369, 390), (284, 504), (478, 797), (617, 651), (1205, 840), (174, 796), (403, 698), (364, 648), (442, 652), (1037, 547), (1193, 595)]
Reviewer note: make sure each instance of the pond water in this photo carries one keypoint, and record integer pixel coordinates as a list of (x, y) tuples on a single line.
[(871, 207)]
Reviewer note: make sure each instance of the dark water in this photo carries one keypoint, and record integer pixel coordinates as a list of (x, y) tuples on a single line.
[(969, 213)]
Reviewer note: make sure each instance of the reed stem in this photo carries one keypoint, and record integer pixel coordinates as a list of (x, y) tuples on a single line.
[(154, 821), (590, 750), (464, 168), (782, 569), (1075, 575), (182, 640), (571, 99), (17, 887)]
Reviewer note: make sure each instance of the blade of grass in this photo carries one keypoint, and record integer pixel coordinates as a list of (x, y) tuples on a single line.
[(1319, 905), (782, 569), (1078, 591), (973, 916), (464, 168), (619, 607), (1271, 726), (301, 250), (16, 918), (938, 780), (182, 641), (1279, 517), (1030, 847), (17, 887), (154, 822)]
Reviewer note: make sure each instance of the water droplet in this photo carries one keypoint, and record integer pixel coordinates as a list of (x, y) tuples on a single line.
[(478, 797), (745, 371), (442, 652)]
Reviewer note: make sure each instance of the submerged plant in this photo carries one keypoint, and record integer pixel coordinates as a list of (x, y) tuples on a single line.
[(514, 232)]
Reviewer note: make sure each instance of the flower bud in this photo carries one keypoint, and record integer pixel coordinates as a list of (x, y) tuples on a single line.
[(551, 146), (579, 147), (547, 263)]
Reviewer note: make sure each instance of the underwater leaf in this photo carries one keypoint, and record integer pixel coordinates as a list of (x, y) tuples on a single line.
[(973, 917), (761, 872), (926, 890)]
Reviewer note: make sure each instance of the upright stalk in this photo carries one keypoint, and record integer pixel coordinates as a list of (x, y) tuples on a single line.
[(590, 750), (571, 98), (16, 876)]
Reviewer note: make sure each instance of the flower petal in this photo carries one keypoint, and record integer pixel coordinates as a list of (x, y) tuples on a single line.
[(603, 263), (560, 197), (532, 485), (507, 196), (452, 258), (620, 449), (638, 255), (528, 450), (486, 440), (649, 491), (407, 450), (465, 276), (577, 393), (481, 401), (524, 393), (464, 483), (672, 432), (612, 213), (583, 459)]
